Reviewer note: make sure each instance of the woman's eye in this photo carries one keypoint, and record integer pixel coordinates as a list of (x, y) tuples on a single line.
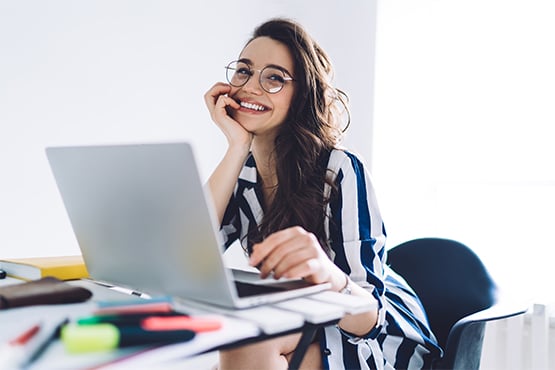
[(243, 71), (276, 77)]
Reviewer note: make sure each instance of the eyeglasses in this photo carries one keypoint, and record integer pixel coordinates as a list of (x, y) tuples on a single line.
[(271, 79)]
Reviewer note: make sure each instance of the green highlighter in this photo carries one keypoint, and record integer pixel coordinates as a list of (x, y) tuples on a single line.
[(105, 337)]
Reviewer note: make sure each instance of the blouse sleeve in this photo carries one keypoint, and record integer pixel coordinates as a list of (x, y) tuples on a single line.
[(357, 233), (231, 223)]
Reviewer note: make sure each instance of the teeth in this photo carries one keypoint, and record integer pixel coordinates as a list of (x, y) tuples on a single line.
[(252, 106)]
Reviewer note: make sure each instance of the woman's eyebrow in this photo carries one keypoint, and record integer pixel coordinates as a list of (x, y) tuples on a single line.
[(246, 61), (250, 63), (283, 69)]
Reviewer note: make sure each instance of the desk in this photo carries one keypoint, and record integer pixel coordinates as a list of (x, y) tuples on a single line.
[(240, 327)]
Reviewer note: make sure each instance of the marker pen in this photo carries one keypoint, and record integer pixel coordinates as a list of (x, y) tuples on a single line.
[(135, 302), (198, 324), (103, 337), (12, 354), (124, 319), (167, 321), (148, 307)]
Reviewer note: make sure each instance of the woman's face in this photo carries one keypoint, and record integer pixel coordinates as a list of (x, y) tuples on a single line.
[(261, 112)]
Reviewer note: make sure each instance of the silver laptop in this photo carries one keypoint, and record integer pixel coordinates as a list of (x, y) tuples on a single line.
[(143, 221)]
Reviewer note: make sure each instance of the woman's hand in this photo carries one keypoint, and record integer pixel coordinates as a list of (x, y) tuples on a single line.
[(296, 253), (218, 104)]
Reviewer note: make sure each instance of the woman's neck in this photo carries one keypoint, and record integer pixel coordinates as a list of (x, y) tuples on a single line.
[(263, 152), (264, 156)]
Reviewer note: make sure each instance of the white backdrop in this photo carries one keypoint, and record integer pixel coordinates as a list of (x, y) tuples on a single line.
[(119, 71), (463, 127)]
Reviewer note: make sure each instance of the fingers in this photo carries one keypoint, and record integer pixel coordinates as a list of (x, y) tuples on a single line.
[(292, 253), (211, 96), (224, 101), (216, 100), (298, 264), (279, 238)]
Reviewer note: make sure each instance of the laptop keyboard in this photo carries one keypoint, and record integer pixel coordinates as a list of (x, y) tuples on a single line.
[(245, 289), (248, 290)]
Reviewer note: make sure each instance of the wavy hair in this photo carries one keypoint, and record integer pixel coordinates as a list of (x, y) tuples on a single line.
[(315, 124)]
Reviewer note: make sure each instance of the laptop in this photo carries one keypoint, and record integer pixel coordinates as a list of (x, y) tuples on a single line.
[(143, 221)]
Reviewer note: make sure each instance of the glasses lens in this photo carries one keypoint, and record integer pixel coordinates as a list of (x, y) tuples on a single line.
[(238, 73), (272, 79)]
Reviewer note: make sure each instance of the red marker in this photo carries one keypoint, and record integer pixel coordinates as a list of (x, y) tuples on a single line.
[(12, 354), (25, 337)]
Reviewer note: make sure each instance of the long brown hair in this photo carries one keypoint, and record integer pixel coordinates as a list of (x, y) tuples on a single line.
[(313, 127)]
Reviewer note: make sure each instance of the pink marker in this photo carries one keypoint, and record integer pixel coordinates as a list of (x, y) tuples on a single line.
[(196, 324)]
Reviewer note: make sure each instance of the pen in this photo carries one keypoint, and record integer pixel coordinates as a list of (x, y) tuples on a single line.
[(50, 330), (130, 291), (12, 354), (122, 290), (103, 337)]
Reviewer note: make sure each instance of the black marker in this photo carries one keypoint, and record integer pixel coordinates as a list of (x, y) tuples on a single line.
[(2, 274)]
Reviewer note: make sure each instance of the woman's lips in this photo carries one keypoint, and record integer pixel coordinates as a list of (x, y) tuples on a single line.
[(250, 106)]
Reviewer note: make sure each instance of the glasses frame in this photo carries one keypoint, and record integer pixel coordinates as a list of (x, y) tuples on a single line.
[(286, 76)]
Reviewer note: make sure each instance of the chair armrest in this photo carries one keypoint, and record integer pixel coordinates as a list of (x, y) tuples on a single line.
[(498, 311), (464, 343)]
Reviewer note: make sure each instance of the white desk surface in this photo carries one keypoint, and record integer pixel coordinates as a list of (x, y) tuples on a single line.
[(237, 325)]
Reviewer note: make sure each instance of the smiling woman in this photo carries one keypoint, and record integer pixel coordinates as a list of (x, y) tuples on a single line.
[(302, 206), (271, 60)]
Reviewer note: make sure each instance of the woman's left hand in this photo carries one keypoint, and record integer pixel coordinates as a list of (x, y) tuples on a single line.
[(294, 253)]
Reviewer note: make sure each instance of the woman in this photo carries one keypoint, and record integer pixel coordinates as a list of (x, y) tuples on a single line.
[(304, 208)]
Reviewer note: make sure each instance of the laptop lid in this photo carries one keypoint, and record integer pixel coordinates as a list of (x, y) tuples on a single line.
[(142, 220)]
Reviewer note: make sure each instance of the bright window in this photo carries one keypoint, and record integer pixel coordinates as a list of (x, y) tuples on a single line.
[(463, 130)]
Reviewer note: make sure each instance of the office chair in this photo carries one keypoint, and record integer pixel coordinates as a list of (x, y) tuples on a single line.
[(457, 292)]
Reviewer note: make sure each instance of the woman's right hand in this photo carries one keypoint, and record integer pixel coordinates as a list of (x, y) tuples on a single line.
[(222, 181), (218, 103)]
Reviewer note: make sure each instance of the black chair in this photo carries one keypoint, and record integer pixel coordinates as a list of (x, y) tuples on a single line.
[(457, 292)]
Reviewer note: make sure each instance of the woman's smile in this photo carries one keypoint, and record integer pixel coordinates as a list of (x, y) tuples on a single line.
[(252, 106)]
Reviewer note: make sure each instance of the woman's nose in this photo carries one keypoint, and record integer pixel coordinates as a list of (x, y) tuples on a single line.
[(253, 84)]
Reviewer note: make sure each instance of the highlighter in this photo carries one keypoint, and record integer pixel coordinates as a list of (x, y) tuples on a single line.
[(126, 319), (156, 322), (105, 337)]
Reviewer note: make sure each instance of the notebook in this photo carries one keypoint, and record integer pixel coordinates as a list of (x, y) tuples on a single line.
[(34, 268), (142, 220)]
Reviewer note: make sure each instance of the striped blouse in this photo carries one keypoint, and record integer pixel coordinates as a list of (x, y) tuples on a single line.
[(402, 338)]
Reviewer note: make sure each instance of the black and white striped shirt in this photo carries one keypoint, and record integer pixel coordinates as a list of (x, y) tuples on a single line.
[(402, 338)]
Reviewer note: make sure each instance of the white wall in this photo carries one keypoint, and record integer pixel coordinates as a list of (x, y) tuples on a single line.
[(464, 130), (111, 71)]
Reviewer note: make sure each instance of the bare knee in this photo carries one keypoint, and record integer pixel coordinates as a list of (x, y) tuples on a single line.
[(261, 355), (270, 354), (312, 359)]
